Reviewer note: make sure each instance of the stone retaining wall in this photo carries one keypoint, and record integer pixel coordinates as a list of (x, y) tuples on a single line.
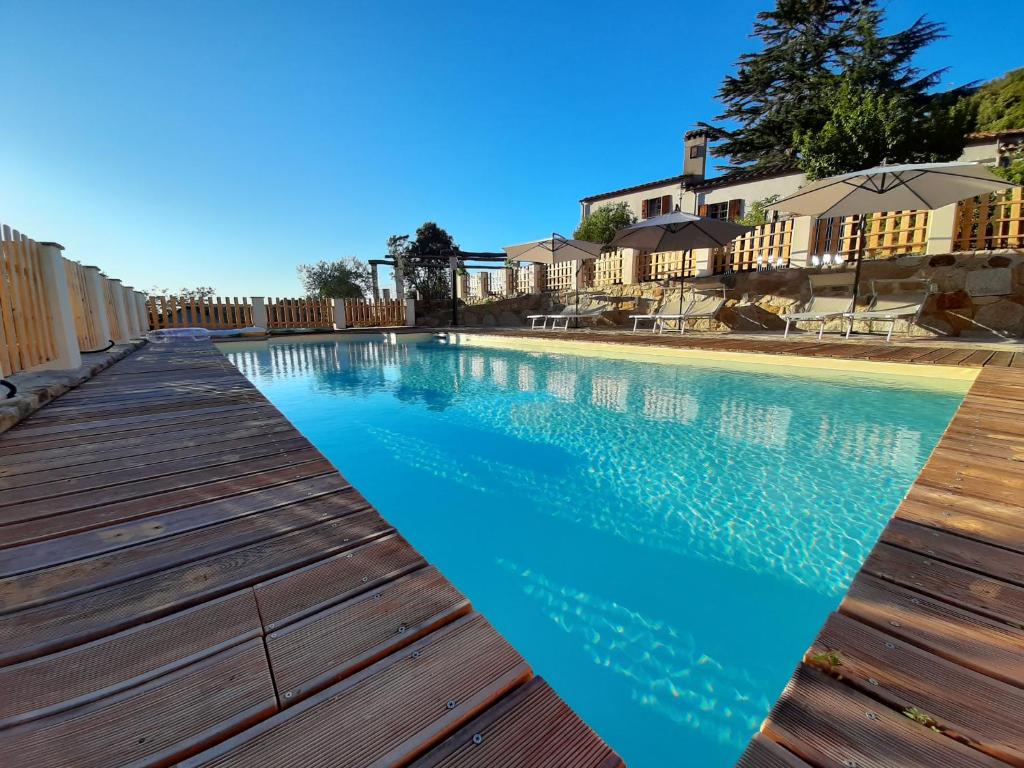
[(977, 294)]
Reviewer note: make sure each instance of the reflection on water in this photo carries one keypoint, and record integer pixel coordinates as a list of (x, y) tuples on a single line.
[(660, 541), (666, 670)]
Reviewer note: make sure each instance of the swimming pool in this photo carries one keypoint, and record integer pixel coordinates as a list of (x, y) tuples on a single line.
[(660, 539)]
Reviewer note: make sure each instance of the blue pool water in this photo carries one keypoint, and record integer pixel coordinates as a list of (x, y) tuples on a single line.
[(661, 541)]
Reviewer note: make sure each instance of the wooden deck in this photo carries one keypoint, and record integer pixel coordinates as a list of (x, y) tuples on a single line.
[(185, 579), (922, 665)]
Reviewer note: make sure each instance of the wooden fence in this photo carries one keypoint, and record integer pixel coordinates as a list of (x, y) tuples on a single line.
[(26, 330), (300, 313), (666, 265), (369, 314), (894, 233), (768, 245), (607, 269), (212, 313), (990, 222)]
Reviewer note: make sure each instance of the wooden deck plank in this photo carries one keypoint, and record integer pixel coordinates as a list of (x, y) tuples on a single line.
[(54, 626), (762, 752), (531, 726), (321, 649), (980, 710), (157, 722), (389, 712), (971, 640), (827, 723), (94, 670)]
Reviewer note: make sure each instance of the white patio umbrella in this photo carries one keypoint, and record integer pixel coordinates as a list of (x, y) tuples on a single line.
[(556, 250), (890, 188), (678, 231)]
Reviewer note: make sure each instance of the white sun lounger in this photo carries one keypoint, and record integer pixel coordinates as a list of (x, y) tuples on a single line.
[(701, 305), (820, 309), (890, 308), (568, 313)]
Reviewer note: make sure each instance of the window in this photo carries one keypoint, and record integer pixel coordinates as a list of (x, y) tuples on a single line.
[(718, 210), (656, 206), (697, 150)]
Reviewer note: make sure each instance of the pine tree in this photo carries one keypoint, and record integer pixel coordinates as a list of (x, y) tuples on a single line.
[(810, 47)]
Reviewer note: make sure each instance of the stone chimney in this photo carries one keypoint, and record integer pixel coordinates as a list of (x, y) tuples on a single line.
[(695, 154)]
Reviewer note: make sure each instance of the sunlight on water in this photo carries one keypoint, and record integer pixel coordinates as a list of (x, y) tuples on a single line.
[(660, 541)]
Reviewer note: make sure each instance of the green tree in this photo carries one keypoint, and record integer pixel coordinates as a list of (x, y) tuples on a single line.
[(604, 221), (757, 214), (1014, 171), (1000, 103), (422, 272), (868, 126), (199, 293), (807, 47), (347, 278)]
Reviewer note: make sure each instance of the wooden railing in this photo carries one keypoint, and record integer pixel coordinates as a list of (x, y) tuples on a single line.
[(211, 313), (894, 233), (665, 266), (561, 276), (26, 331), (768, 245), (990, 222), (369, 314), (300, 313)]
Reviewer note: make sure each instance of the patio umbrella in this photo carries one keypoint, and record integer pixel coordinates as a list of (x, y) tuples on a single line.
[(890, 188), (678, 231), (556, 250)]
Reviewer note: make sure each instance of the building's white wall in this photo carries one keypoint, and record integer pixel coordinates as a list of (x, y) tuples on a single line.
[(748, 192), (636, 199)]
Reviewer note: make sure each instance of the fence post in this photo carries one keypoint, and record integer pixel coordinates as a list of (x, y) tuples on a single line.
[(702, 265), (58, 300), (629, 265), (338, 312), (140, 310), (800, 241), (942, 230), (94, 284), (129, 311), (259, 313), (410, 313), (117, 295)]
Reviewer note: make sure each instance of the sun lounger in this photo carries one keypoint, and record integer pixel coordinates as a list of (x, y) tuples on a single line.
[(698, 305), (891, 307), (820, 309), (566, 314)]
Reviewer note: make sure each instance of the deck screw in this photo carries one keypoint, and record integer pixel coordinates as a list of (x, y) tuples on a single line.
[(851, 764), (273, 635), (890, 646), (415, 654), (401, 628), (478, 739), (365, 579), (894, 624), (871, 715), (377, 596), (451, 704), (288, 695), (915, 601)]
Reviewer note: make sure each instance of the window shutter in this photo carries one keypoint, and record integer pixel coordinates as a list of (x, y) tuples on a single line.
[(735, 209), (703, 210), (643, 210), (666, 204)]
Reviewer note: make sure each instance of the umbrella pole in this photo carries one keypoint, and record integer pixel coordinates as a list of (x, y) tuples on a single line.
[(861, 242), (576, 317)]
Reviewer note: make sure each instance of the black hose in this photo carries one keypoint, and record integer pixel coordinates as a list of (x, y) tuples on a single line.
[(11, 389), (94, 351)]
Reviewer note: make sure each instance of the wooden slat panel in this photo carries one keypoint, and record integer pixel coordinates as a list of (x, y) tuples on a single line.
[(762, 752)]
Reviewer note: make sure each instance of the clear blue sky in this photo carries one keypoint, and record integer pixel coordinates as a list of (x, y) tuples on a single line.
[(222, 143)]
